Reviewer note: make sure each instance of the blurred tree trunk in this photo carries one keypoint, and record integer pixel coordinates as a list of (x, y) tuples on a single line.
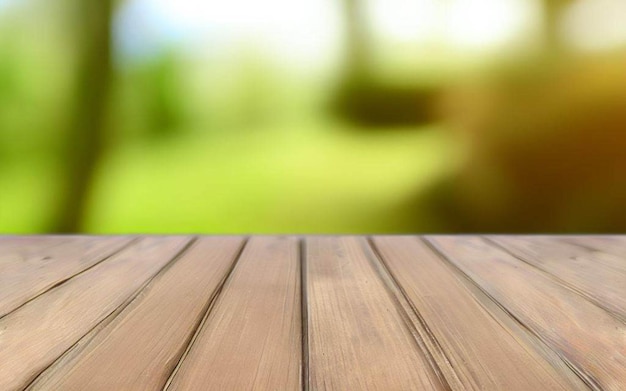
[(357, 40), (87, 127), (553, 10), (364, 97)]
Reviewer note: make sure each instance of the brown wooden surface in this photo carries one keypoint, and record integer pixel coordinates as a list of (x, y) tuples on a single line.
[(313, 313), (482, 352), (356, 334), (151, 333), (591, 340), (30, 267), (599, 276), (252, 336), (34, 335)]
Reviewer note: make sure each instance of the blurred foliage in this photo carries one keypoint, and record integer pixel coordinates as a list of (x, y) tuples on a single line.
[(162, 97), (546, 150), (394, 137)]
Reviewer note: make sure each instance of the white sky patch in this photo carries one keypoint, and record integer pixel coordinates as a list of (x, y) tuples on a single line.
[(595, 25), (309, 32), (302, 31), (6, 4), (484, 23), (405, 20)]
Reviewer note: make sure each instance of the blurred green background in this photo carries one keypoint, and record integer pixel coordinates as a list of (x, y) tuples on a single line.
[(312, 116)]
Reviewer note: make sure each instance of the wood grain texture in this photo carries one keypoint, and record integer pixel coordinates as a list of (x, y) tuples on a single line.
[(251, 339), (357, 337), (588, 337), (36, 334), (30, 266), (15, 250), (29, 244), (484, 353), (25, 246), (149, 336), (599, 276), (605, 244), (345, 313)]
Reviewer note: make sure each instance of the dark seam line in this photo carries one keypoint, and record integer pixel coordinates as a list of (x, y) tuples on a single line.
[(207, 311), (113, 314), (66, 279), (474, 292), (582, 375), (592, 249), (304, 312), (391, 286), (573, 242), (558, 280)]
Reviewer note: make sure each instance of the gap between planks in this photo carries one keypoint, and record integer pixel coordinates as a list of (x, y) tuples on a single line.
[(304, 313), (415, 323), (595, 377), (101, 258), (359, 326), (586, 379), (205, 316), (233, 344), (461, 364), (91, 333), (560, 280)]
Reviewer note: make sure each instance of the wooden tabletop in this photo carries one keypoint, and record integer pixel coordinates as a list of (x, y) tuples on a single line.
[(313, 313)]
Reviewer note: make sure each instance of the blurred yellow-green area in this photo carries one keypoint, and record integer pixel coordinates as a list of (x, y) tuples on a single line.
[(312, 116)]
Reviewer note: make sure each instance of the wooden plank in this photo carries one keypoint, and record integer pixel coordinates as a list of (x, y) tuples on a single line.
[(36, 334), (356, 332), (589, 338), (609, 251), (252, 336), (150, 335), (31, 266), (22, 244), (599, 276), (15, 250), (609, 244), (484, 353)]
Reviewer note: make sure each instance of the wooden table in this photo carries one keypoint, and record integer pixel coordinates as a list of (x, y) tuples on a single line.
[(314, 313)]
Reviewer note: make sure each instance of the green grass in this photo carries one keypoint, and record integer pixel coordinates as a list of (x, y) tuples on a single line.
[(28, 190), (315, 179)]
